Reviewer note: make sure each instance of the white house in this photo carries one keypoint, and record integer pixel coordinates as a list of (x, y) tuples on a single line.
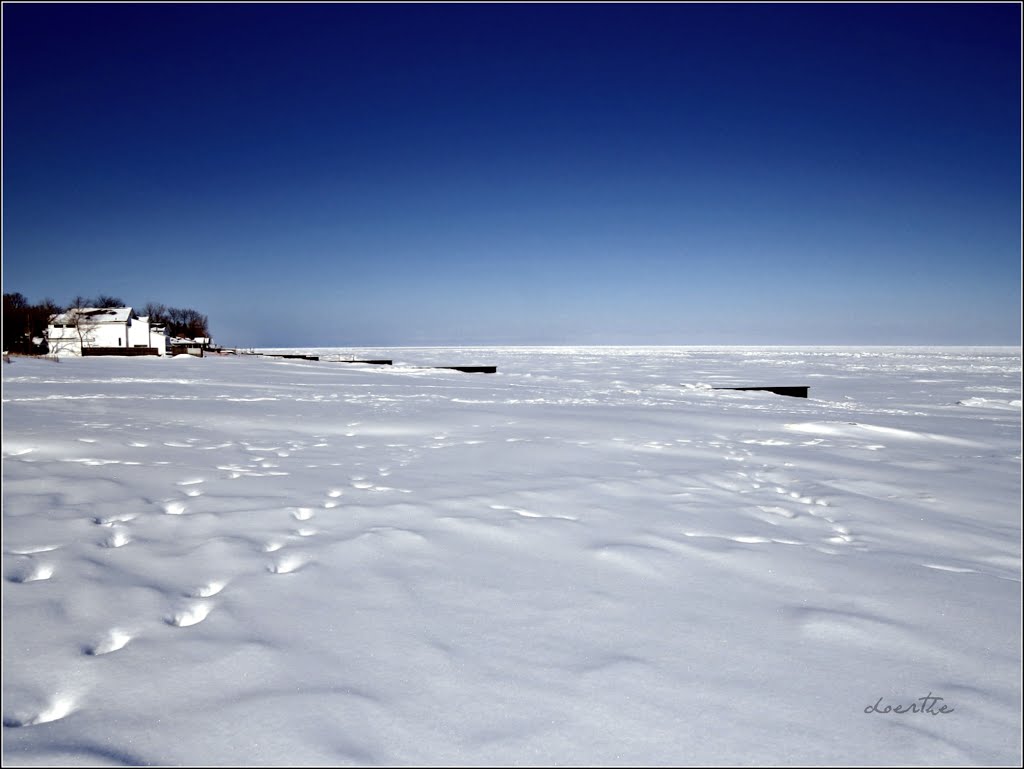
[(110, 328)]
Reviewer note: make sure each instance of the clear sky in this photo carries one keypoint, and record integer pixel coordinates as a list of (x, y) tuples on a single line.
[(333, 174)]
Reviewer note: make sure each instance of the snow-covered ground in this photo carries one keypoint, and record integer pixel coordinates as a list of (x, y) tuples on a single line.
[(590, 557)]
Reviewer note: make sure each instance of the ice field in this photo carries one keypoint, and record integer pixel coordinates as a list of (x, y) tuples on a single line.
[(590, 557)]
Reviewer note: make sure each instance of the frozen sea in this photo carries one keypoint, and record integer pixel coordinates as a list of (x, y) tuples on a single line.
[(590, 557)]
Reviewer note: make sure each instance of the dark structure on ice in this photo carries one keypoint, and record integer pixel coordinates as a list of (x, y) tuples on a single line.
[(791, 390)]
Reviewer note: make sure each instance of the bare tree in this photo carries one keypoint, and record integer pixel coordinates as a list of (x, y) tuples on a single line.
[(78, 318), (156, 312), (185, 322)]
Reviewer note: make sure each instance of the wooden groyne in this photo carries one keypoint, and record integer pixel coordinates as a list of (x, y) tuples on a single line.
[(381, 362), (467, 369), (794, 391), (473, 369)]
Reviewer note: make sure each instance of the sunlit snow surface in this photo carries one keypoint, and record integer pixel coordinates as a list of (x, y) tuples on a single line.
[(590, 557)]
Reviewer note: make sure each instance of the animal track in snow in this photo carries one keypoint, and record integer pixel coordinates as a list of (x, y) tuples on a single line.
[(837, 534)]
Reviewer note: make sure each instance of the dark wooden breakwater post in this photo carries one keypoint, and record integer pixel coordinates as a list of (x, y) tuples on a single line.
[(468, 369), (473, 369), (793, 391)]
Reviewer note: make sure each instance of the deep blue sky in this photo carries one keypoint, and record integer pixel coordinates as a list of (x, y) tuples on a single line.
[(578, 174)]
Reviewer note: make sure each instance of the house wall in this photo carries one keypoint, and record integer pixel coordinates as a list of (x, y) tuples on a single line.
[(107, 335), (158, 339), (138, 332), (69, 342), (125, 334), (63, 342)]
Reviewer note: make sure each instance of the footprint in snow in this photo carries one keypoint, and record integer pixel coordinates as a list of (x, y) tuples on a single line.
[(287, 564), (192, 492), (59, 707), (110, 520), (209, 589), (174, 508), (33, 572), (117, 538), (111, 641), (189, 614)]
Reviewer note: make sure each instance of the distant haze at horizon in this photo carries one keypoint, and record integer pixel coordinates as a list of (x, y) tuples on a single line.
[(419, 175)]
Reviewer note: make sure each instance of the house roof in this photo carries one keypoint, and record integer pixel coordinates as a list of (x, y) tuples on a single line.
[(94, 315), (186, 340)]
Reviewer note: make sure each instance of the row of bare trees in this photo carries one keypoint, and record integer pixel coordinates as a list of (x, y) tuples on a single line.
[(24, 323), (183, 322)]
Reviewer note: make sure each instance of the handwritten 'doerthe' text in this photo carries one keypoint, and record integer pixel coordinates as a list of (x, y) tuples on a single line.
[(929, 704)]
